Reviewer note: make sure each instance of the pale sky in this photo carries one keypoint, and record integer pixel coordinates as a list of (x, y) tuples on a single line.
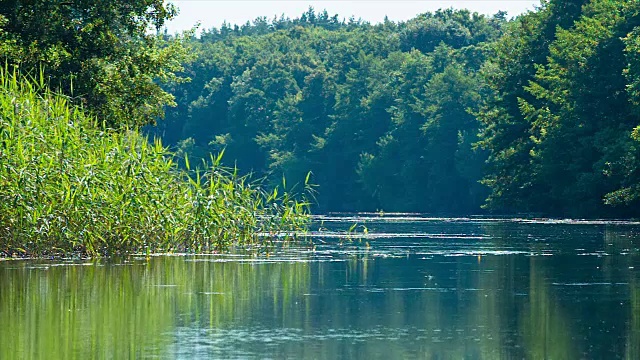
[(212, 13)]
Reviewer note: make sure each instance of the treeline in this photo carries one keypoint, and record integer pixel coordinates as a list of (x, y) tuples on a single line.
[(377, 113), (560, 123), (443, 113)]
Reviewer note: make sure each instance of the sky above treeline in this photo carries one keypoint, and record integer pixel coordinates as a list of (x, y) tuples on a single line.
[(212, 13)]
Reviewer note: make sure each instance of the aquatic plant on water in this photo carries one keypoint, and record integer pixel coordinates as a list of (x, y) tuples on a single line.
[(69, 185)]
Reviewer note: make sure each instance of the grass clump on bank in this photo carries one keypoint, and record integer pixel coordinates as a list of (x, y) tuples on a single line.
[(68, 185)]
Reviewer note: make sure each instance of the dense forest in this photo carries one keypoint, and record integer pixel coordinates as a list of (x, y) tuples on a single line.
[(451, 112), (379, 114)]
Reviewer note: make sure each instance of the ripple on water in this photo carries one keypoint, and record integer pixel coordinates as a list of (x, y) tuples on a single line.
[(590, 284), (403, 217), (249, 342)]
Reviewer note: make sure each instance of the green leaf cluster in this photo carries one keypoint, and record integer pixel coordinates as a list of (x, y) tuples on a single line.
[(103, 54), (560, 124)]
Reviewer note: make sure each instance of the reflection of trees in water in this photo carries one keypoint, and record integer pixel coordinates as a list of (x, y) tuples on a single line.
[(545, 325), (517, 306), (633, 337), (516, 311), (551, 323), (372, 305), (621, 266), (394, 304), (498, 305)]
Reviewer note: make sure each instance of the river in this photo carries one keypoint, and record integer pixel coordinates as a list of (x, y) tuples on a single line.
[(398, 286)]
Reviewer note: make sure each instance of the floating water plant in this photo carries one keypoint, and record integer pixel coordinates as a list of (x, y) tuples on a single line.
[(69, 185)]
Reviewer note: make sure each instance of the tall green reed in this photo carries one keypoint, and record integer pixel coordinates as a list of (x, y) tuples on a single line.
[(69, 185)]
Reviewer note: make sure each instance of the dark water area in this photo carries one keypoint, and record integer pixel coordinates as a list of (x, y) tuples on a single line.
[(401, 287)]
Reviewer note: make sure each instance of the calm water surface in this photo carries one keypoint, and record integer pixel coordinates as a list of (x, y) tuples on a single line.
[(406, 287)]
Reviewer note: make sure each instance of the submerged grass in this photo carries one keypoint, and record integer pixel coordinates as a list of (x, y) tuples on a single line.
[(70, 186)]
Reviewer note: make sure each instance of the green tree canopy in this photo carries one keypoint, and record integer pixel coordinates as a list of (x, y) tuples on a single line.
[(378, 113), (103, 54)]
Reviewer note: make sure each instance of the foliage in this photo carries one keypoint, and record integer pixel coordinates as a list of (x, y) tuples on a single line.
[(69, 185), (364, 107), (409, 116), (101, 53), (559, 126)]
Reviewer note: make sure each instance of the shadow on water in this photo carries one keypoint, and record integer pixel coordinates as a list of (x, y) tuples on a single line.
[(409, 287)]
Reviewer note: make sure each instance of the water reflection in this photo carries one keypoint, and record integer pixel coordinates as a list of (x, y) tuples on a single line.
[(437, 289), (134, 309)]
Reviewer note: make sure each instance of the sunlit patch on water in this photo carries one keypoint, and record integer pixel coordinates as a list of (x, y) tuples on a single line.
[(416, 289), (478, 253), (264, 260), (369, 236), (47, 266), (38, 267), (413, 218), (591, 284), (72, 264), (347, 342)]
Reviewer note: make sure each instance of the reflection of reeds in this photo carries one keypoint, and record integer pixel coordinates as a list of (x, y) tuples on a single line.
[(134, 310), (69, 185)]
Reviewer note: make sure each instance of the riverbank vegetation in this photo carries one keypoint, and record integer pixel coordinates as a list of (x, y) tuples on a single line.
[(70, 185), (451, 112), (444, 113), (76, 175)]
